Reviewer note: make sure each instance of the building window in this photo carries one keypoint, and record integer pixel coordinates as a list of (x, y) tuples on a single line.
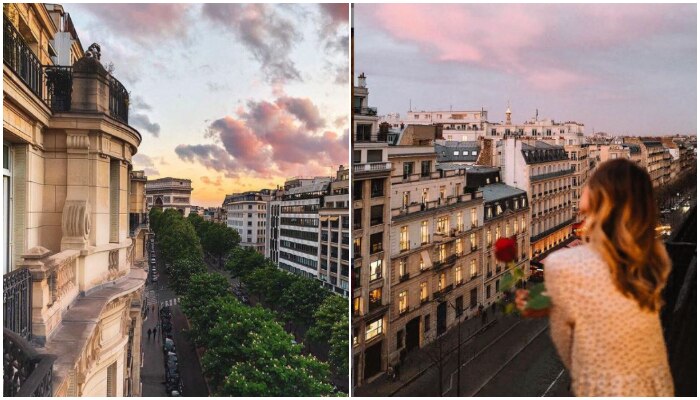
[(472, 298), (375, 242), (377, 187), (425, 168), (498, 231), (7, 206), (375, 299), (460, 222), (426, 323), (443, 224), (112, 380), (403, 271), (488, 291), (423, 291), (507, 229), (474, 219), (407, 169), (406, 199), (375, 270), (458, 274), (488, 212), (442, 252), (374, 328), (441, 281), (472, 269), (458, 246), (424, 197), (522, 224), (404, 244), (403, 302), (376, 215), (357, 305), (424, 236), (114, 194), (472, 240)]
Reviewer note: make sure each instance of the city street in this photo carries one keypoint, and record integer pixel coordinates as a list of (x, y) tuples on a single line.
[(153, 372)]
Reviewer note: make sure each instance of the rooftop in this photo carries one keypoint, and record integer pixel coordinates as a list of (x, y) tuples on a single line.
[(497, 191)]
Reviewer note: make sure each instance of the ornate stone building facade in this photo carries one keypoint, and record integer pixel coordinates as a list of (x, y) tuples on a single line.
[(70, 286), (168, 193)]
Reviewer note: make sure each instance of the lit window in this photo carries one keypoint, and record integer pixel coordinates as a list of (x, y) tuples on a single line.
[(488, 237), (403, 302), (374, 329), (423, 291), (460, 223), (441, 281), (458, 246), (474, 219), (472, 268), (375, 270), (442, 252), (424, 236), (403, 242), (472, 240), (443, 224), (458, 274)]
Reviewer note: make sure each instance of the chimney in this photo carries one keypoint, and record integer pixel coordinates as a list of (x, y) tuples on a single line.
[(486, 153), (362, 80)]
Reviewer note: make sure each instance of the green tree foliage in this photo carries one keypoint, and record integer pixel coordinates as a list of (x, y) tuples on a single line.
[(338, 354), (330, 318), (204, 297), (218, 240), (268, 283), (250, 354), (182, 270), (245, 260), (299, 302)]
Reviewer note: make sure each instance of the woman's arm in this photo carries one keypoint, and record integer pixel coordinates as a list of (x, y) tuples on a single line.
[(561, 288)]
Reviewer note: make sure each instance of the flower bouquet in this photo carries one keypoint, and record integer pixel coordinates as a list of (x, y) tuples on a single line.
[(538, 302)]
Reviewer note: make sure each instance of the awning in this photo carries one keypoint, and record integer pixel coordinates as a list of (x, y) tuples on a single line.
[(427, 263), (332, 218), (323, 219)]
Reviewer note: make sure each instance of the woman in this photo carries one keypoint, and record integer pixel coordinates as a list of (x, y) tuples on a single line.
[(606, 294)]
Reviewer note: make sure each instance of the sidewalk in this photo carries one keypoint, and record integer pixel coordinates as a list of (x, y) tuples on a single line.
[(418, 361)]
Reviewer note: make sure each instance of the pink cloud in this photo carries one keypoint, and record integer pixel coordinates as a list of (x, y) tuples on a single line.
[(267, 139), (516, 39), (142, 21)]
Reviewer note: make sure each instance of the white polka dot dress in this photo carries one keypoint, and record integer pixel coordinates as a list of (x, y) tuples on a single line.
[(610, 346)]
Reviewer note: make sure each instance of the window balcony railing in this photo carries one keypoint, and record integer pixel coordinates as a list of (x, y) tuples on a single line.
[(372, 167), (362, 137), (118, 100), (26, 373), (17, 302), (20, 58), (370, 111), (59, 87)]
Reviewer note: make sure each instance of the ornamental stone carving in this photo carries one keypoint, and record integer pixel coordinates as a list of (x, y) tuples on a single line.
[(76, 224)]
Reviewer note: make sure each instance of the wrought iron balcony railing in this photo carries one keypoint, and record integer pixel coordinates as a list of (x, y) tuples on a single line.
[(25, 372), (17, 55), (371, 111), (118, 100), (17, 302), (59, 87)]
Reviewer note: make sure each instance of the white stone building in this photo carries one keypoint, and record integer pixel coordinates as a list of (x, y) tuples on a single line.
[(169, 193)]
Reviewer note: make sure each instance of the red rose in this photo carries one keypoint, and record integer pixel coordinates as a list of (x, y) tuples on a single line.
[(504, 249)]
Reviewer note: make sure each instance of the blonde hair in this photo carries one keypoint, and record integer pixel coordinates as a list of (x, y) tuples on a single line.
[(621, 226)]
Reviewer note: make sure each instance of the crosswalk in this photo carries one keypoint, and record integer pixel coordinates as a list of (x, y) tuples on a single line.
[(151, 298)]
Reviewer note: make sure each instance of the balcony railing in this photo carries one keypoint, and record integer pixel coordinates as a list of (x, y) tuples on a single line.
[(372, 167), (17, 55), (59, 87), (371, 137), (17, 302), (25, 372), (540, 177), (118, 100), (371, 111)]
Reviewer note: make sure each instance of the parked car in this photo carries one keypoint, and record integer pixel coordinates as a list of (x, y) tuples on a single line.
[(168, 345)]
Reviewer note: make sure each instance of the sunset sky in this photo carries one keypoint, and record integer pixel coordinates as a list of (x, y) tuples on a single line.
[(234, 97), (621, 69)]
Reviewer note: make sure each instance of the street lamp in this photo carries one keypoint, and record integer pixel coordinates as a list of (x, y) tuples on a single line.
[(458, 315)]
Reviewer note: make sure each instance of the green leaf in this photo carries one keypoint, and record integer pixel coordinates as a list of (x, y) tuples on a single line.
[(539, 302), (509, 308), (537, 289), (518, 274), (507, 282)]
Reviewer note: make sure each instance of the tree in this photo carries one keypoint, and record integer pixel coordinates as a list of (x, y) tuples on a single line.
[(243, 261), (333, 310), (300, 300), (182, 270), (338, 354), (204, 297), (268, 283), (218, 240), (249, 354)]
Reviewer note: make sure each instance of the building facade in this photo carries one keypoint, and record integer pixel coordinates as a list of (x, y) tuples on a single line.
[(334, 238), (544, 171), (167, 193), (67, 170), (371, 171), (138, 215), (247, 214)]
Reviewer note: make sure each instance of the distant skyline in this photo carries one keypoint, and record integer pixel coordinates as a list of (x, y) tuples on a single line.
[(620, 69), (234, 97)]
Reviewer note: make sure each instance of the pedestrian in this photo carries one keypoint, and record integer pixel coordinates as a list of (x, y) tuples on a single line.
[(149, 333)]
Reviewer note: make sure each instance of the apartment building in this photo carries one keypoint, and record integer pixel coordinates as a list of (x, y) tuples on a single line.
[(544, 171), (452, 152), (334, 238), (581, 167), (654, 157), (296, 219), (465, 125), (505, 213), (246, 213), (72, 295), (167, 193), (435, 247), (371, 171)]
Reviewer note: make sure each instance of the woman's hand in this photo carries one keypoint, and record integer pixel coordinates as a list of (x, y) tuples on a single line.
[(521, 299)]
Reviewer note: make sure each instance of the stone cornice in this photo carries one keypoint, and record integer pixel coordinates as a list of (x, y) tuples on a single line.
[(97, 122)]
